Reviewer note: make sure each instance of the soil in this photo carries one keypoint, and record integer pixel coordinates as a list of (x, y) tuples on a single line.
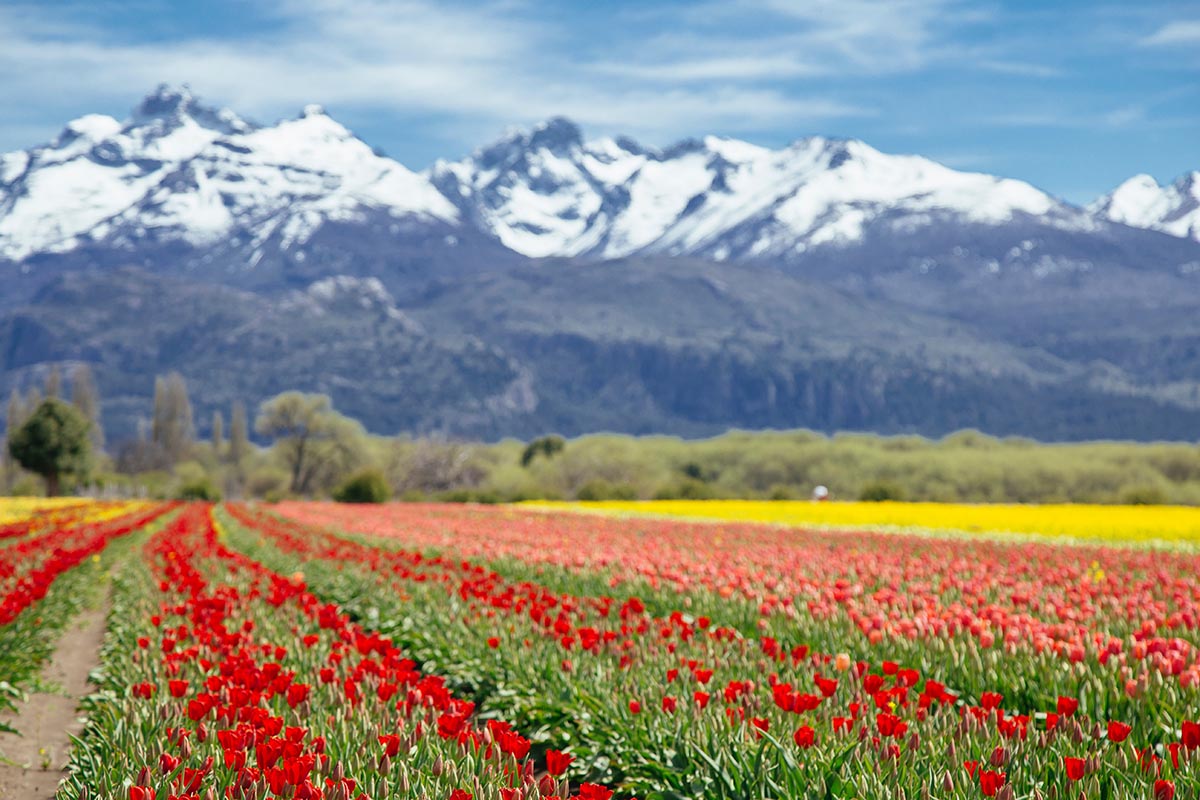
[(31, 765)]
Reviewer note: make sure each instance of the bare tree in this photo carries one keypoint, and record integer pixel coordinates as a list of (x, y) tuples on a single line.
[(33, 399), (173, 429), (86, 398), (14, 418), (239, 441), (53, 383), (218, 433), (432, 465)]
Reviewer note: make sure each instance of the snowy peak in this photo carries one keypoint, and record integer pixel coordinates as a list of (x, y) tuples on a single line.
[(557, 134), (93, 127), (1142, 203), (170, 107), (179, 170), (548, 192)]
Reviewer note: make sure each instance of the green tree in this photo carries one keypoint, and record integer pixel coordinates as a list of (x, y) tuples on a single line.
[(365, 486), (53, 442), (316, 443), (546, 446), (881, 491)]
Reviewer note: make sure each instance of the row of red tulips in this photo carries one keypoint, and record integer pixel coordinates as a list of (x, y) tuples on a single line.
[(227, 679), (29, 567)]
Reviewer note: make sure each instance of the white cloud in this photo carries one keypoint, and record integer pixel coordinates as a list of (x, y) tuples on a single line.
[(1021, 69), (418, 56), (1175, 33), (795, 38)]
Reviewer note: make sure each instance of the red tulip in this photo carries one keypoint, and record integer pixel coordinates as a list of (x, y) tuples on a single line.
[(805, 736), (1118, 731), (557, 762), (990, 782)]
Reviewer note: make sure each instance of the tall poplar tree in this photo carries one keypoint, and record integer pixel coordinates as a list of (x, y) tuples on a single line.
[(86, 398)]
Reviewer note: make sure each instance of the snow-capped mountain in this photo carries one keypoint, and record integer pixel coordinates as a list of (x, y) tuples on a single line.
[(188, 189), (548, 192), (178, 170), (693, 287), (1142, 203), (180, 173)]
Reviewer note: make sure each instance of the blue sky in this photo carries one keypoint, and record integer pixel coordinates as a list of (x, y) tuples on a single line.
[(1072, 96)]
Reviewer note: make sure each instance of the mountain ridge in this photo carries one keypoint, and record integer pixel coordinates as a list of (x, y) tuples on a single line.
[(545, 191), (551, 282)]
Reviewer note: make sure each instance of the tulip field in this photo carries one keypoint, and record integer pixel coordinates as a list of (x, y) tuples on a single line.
[(321, 650)]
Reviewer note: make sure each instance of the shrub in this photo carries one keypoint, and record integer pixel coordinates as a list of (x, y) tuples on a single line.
[(1143, 496), (199, 489), (879, 491), (364, 486), (689, 489), (600, 489), (267, 482), (484, 496)]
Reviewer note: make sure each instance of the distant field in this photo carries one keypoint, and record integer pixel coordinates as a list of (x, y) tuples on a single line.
[(1092, 522)]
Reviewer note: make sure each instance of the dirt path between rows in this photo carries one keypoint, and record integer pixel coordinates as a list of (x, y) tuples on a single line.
[(32, 765)]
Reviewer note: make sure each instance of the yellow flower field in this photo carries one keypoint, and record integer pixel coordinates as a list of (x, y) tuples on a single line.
[(13, 509), (1173, 524), (58, 511)]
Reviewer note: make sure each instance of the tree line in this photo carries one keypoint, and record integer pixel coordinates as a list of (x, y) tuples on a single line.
[(303, 447)]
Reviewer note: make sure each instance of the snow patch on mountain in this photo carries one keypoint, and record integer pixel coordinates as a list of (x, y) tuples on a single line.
[(1142, 203), (348, 294)]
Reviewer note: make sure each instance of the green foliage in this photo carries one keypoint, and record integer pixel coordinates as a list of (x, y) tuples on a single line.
[(686, 489), (547, 446), (267, 481), (54, 442), (316, 444), (600, 489), (879, 491), (965, 467), (469, 496), (201, 489), (1143, 496), (365, 486), (698, 472)]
